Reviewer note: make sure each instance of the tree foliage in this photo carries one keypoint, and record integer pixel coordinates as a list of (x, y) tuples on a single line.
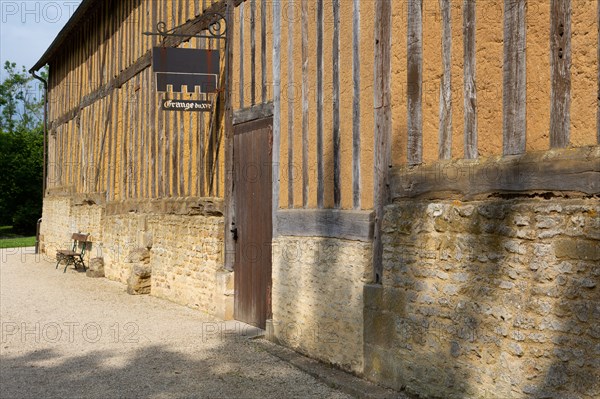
[(21, 150)]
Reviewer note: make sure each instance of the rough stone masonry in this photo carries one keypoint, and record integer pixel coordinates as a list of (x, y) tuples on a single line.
[(489, 299)]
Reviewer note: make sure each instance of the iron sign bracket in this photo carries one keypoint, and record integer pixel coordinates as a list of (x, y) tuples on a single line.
[(216, 30)]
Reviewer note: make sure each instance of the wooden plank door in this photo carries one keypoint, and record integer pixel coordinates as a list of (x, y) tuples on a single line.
[(253, 201)]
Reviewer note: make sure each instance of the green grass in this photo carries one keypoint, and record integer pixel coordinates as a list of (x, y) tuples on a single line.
[(8, 239)]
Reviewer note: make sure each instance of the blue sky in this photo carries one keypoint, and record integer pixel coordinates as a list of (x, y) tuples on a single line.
[(28, 27)]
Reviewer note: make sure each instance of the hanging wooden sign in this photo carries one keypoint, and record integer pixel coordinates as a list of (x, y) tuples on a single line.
[(192, 68)]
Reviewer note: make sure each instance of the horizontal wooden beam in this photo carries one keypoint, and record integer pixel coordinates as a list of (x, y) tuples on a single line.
[(332, 223), (187, 206), (255, 112), (574, 170)]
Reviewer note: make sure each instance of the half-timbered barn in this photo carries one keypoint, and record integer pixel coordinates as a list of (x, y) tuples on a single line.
[(407, 189)]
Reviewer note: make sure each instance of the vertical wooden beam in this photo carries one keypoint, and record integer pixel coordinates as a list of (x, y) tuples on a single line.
[(598, 63), (253, 52), (305, 88), (135, 132), (560, 70), (228, 195), (125, 162), (201, 149), (182, 158), (81, 166), (263, 49), (291, 94), (276, 103), (445, 128), (383, 124), (320, 165), (414, 81), (241, 59), (112, 145), (153, 133), (356, 186), (470, 87), (514, 77), (192, 134), (162, 143), (337, 184)]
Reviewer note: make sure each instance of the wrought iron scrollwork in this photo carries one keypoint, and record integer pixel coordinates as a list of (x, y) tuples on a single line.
[(216, 30)]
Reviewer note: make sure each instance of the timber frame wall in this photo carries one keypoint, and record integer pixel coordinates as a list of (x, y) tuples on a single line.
[(345, 117), (365, 123), (107, 134)]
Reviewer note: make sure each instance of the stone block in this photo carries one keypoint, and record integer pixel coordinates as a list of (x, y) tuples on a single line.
[(138, 255), (577, 249), (139, 281), (95, 268), (224, 306), (380, 328), (373, 296)]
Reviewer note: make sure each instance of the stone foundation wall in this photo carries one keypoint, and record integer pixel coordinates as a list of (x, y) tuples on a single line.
[(61, 217), (488, 299), (184, 235), (317, 297), (120, 235), (55, 229), (187, 255)]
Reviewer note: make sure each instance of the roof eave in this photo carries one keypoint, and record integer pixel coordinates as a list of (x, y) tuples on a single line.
[(71, 24)]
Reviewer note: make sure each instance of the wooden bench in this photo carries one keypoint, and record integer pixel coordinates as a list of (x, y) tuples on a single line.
[(73, 256)]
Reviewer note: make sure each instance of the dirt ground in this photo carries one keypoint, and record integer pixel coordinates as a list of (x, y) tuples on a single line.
[(70, 336)]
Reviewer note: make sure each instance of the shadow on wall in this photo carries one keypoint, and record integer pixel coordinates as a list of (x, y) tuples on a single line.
[(493, 298)]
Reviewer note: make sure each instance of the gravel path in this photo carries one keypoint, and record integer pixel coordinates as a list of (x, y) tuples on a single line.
[(69, 336)]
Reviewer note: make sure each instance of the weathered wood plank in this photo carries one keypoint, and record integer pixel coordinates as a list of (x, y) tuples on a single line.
[(383, 125), (414, 81), (356, 145), (154, 21), (560, 71), (192, 134), (337, 183), (229, 198), (153, 100), (276, 104), (135, 132), (120, 34), (81, 162), (598, 82), (514, 77), (253, 52), (333, 223), (469, 76), (182, 159), (291, 94), (305, 88), (572, 170), (320, 164), (201, 158), (161, 146), (445, 128), (219, 133), (241, 58), (112, 141), (263, 49), (248, 114)]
